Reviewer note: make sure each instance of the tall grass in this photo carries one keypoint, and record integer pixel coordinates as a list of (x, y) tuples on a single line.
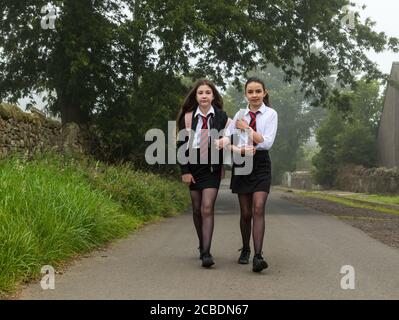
[(53, 208)]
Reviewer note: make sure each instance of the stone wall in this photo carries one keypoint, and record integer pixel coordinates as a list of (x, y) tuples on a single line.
[(299, 180), (362, 180), (23, 133)]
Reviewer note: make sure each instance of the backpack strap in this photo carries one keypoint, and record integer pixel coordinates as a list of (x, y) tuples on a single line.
[(188, 119)]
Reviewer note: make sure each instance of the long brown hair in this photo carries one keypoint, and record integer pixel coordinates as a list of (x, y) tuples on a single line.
[(190, 102), (266, 99)]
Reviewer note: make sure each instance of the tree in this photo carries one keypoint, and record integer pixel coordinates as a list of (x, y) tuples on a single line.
[(325, 161), (306, 153), (122, 127), (350, 136), (100, 49), (73, 62)]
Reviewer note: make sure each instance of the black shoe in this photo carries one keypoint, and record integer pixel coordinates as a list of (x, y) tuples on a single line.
[(259, 264), (244, 257), (207, 260), (200, 253)]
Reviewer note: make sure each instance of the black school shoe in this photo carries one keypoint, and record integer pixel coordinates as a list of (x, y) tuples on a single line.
[(258, 263), (207, 260), (200, 253), (245, 255)]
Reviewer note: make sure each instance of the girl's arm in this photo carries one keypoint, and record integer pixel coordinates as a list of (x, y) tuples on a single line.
[(248, 150), (224, 142), (254, 136), (270, 131)]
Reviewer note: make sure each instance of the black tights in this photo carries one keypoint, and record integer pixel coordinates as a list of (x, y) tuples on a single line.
[(253, 206), (203, 202)]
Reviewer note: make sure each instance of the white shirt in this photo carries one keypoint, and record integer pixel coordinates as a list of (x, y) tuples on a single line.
[(197, 135), (266, 125)]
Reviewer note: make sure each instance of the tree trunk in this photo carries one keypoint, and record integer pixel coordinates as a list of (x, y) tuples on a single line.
[(71, 111)]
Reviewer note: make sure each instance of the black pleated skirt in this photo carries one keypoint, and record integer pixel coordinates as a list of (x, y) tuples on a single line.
[(205, 176), (258, 180)]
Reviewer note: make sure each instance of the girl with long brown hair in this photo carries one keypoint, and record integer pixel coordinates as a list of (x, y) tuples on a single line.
[(202, 111)]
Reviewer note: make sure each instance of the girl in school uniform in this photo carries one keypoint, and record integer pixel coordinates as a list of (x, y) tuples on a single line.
[(256, 127), (202, 110)]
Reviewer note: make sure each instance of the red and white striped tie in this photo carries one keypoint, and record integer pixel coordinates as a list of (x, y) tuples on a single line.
[(204, 138), (252, 124)]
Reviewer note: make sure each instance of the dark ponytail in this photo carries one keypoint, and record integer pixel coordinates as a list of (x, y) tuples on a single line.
[(266, 99)]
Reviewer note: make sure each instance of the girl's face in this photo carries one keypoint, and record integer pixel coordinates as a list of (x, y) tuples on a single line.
[(204, 96), (255, 94)]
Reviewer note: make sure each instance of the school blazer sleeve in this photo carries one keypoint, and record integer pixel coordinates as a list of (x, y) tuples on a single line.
[(184, 168)]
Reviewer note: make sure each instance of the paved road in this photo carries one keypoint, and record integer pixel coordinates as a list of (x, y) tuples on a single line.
[(304, 248)]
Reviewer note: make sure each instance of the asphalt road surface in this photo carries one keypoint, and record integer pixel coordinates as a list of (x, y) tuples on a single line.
[(306, 251)]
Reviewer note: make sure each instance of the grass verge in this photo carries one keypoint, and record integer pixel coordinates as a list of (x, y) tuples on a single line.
[(377, 199), (348, 202), (54, 208)]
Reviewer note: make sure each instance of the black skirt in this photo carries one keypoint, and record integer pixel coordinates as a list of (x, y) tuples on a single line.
[(258, 180), (205, 175)]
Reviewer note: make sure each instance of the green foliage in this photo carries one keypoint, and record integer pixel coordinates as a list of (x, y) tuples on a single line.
[(325, 161), (357, 145), (122, 127), (350, 136), (53, 208), (48, 215), (116, 64), (73, 63), (140, 193), (306, 154), (98, 52)]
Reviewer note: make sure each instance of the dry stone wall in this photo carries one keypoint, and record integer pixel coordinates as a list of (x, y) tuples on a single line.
[(23, 133)]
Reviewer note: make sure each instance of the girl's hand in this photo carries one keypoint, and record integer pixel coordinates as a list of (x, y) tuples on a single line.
[(248, 150), (242, 124), (188, 178), (221, 143)]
